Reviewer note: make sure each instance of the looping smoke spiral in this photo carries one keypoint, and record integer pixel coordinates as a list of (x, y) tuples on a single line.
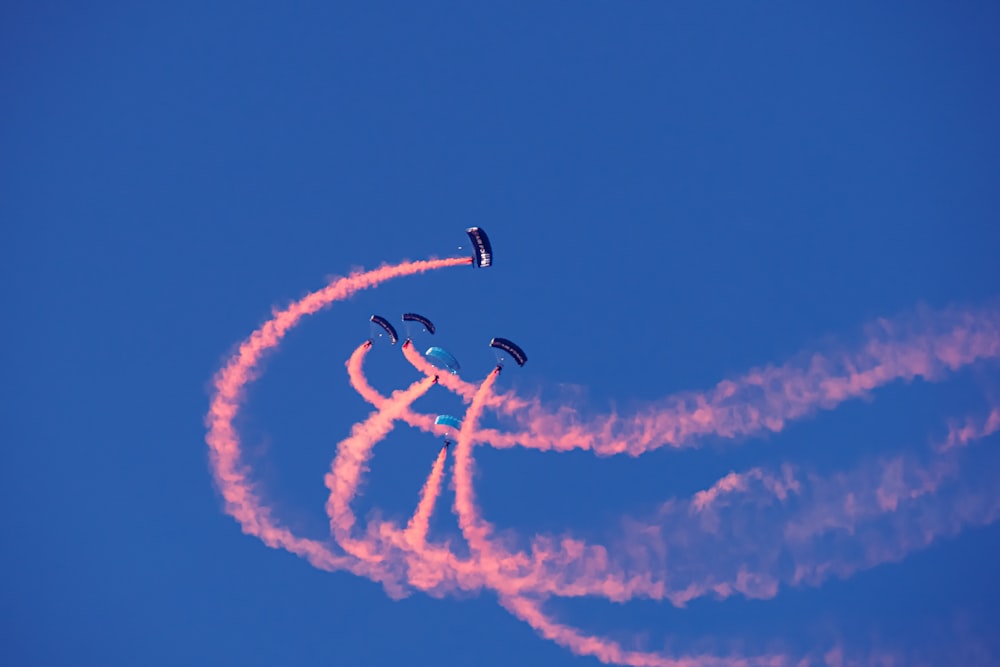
[(749, 534)]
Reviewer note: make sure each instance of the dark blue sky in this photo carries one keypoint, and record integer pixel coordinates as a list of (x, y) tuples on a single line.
[(674, 195)]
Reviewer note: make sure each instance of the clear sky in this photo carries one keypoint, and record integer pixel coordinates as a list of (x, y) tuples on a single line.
[(676, 195)]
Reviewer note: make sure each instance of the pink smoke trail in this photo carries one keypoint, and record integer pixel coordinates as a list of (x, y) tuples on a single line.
[(752, 532), (582, 569), (432, 568), (761, 400), (507, 402), (765, 399), (231, 475), (475, 530), (416, 528), (890, 497), (355, 373), (499, 566), (972, 429), (352, 458), (359, 382), (610, 652)]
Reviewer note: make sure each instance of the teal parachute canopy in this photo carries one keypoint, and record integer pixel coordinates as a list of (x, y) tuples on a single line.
[(442, 359), (448, 420)]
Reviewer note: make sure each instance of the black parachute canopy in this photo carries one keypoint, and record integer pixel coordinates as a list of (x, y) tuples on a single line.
[(511, 348), (413, 317), (483, 255), (389, 329)]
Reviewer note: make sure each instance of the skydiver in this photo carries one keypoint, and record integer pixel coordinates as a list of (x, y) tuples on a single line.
[(446, 443), (498, 368), (435, 379)]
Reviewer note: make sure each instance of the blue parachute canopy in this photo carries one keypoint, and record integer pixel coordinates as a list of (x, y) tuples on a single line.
[(442, 359), (511, 348), (448, 420), (384, 323), (413, 317), (482, 250)]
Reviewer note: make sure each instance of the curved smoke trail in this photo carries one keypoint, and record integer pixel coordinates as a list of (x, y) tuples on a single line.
[(749, 534)]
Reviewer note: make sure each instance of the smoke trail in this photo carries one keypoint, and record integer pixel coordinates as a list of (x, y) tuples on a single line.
[(231, 475), (507, 574), (927, 346), (445, 378), (574, 556), (971, 430), (355, 373), (502, 569), (749, 533), (763, 399), (352, 457), (432, 568), (358, 380), (610, 652), (416, 528), (475, 530), (507, 402)]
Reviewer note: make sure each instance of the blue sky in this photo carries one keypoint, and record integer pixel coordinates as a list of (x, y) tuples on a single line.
[(675, 194)]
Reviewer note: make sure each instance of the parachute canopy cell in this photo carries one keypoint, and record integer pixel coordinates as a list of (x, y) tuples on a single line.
[(511, 348), (389, 329), (442, 359), (483, 255), (413, 317), (448, 420)]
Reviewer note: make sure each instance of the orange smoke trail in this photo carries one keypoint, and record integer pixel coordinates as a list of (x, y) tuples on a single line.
[(231, 475), (416, 528)]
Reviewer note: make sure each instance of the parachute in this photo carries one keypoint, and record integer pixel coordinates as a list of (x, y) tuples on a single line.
[(448, 420), (413, 317), (481, 243), (511, 348), (384, 323), (442, 359)]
